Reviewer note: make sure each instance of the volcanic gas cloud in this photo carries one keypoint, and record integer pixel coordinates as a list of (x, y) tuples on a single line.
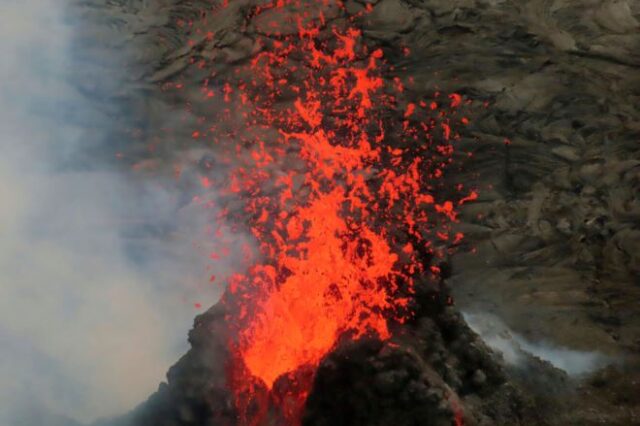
[(338, 172)]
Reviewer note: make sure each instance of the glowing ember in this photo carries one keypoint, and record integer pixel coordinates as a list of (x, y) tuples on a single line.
[(338, 176)]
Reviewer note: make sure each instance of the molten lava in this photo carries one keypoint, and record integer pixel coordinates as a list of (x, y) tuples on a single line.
[(338, 175), (333, 284)]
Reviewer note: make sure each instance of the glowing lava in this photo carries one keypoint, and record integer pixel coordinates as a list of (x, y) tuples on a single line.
[(333, 284), (338, 174)]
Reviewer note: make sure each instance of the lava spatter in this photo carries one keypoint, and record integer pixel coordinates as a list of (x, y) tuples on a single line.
[(337, 174)]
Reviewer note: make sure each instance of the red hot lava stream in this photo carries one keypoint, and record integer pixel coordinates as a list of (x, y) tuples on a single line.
[(337, 173)]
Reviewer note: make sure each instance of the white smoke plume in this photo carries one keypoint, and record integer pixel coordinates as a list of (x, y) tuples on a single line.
[(96, 297), (513, 347)]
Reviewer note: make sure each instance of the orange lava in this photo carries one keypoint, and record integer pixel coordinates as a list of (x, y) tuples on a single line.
[(333, 287), (338, 175)]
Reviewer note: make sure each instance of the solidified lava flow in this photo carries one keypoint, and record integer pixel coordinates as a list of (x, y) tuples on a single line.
[(337, 171)]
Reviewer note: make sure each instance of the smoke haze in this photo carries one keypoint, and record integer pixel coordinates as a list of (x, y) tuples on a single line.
[(513, 347), (98, 274)]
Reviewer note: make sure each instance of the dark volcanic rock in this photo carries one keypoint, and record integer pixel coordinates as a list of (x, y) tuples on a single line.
[(195, 392), (373, 383), (368, 383)]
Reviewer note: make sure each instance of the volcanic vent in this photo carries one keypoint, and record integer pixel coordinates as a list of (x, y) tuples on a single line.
[(323, 152)]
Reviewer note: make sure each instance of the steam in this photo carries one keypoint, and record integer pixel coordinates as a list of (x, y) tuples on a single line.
[(515, 347), (98, 274)]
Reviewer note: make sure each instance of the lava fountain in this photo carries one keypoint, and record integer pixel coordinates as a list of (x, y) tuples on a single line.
[(338, 171)]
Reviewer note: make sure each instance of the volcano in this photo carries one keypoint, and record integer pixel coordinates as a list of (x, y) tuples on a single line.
[(349, 171), (435, 371), (338, 170)]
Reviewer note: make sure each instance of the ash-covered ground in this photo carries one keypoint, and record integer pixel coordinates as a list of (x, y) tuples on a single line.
[(548, 274)]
